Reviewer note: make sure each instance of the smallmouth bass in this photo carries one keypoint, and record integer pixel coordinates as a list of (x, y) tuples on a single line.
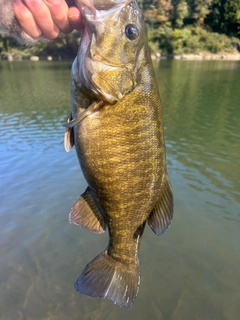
[(116, 126)]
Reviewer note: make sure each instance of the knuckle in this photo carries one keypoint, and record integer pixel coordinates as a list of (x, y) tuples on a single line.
[(52, 35)]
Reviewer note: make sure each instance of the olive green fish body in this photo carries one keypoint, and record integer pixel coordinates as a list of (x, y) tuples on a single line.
[(120, 147), (122, 156)]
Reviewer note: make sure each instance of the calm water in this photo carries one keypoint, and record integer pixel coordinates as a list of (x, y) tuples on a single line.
[(192, 272)]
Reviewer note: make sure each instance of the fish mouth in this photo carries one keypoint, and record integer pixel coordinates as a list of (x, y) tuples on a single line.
[(99, 4), (108, 78), (98, 11)]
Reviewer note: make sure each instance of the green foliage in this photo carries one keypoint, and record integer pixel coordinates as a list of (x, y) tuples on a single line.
[(157, 12), (199, 9), (174, 27), (181, 12), (64, 47), (6, 44), (224, 17), (192, 40)]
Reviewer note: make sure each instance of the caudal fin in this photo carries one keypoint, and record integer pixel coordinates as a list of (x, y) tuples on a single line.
[(105, 277)]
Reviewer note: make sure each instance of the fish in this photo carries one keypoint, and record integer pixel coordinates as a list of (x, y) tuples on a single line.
[(116, 126)]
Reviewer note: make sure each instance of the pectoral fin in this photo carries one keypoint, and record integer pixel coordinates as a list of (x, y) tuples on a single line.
[(68, 135), (87, 214), (95, 106), (161, 216)]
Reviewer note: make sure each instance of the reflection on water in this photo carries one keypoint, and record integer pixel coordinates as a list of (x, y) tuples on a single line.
[(192, 272), (32, 100)]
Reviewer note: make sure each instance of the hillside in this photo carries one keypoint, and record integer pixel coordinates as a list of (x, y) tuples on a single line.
[(175, 28)]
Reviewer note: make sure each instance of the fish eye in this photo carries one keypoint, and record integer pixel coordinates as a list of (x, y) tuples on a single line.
[(131, 31)]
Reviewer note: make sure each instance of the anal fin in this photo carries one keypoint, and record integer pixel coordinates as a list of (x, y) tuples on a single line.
[(162, 214), (87, 214)]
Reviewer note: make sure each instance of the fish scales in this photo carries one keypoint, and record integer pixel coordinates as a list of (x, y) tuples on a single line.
[(119, 139)]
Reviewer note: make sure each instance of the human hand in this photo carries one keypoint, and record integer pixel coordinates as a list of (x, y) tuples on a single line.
[(46, 17)]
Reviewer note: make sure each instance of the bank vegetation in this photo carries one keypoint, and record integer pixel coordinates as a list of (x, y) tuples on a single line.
[(175, 28)]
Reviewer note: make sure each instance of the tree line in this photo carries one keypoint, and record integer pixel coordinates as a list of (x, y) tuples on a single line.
[(190, 26), (174, 27)]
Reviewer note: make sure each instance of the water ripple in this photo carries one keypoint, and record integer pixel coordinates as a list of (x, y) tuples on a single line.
[(41, 255)]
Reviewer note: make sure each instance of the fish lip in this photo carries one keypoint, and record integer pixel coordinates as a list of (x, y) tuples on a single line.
[(93, 14), (100, 4)]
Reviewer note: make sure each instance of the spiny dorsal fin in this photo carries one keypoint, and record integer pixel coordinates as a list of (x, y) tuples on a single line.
[(161, 216), (87, 214), (68, 136)]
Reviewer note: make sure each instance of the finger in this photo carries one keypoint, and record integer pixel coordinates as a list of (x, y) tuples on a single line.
[(75, 18), (43, 18), (59, 12), (25, 19)]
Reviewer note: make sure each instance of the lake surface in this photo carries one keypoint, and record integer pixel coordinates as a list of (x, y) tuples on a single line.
[(191, 272)]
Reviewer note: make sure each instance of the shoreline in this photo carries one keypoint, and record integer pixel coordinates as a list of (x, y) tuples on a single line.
[(154, 56), (199, 56)]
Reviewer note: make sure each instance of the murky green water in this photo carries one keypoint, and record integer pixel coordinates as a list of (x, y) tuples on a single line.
[(192, 272)]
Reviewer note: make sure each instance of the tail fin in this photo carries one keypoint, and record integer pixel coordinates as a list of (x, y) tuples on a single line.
[(105, 277)]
